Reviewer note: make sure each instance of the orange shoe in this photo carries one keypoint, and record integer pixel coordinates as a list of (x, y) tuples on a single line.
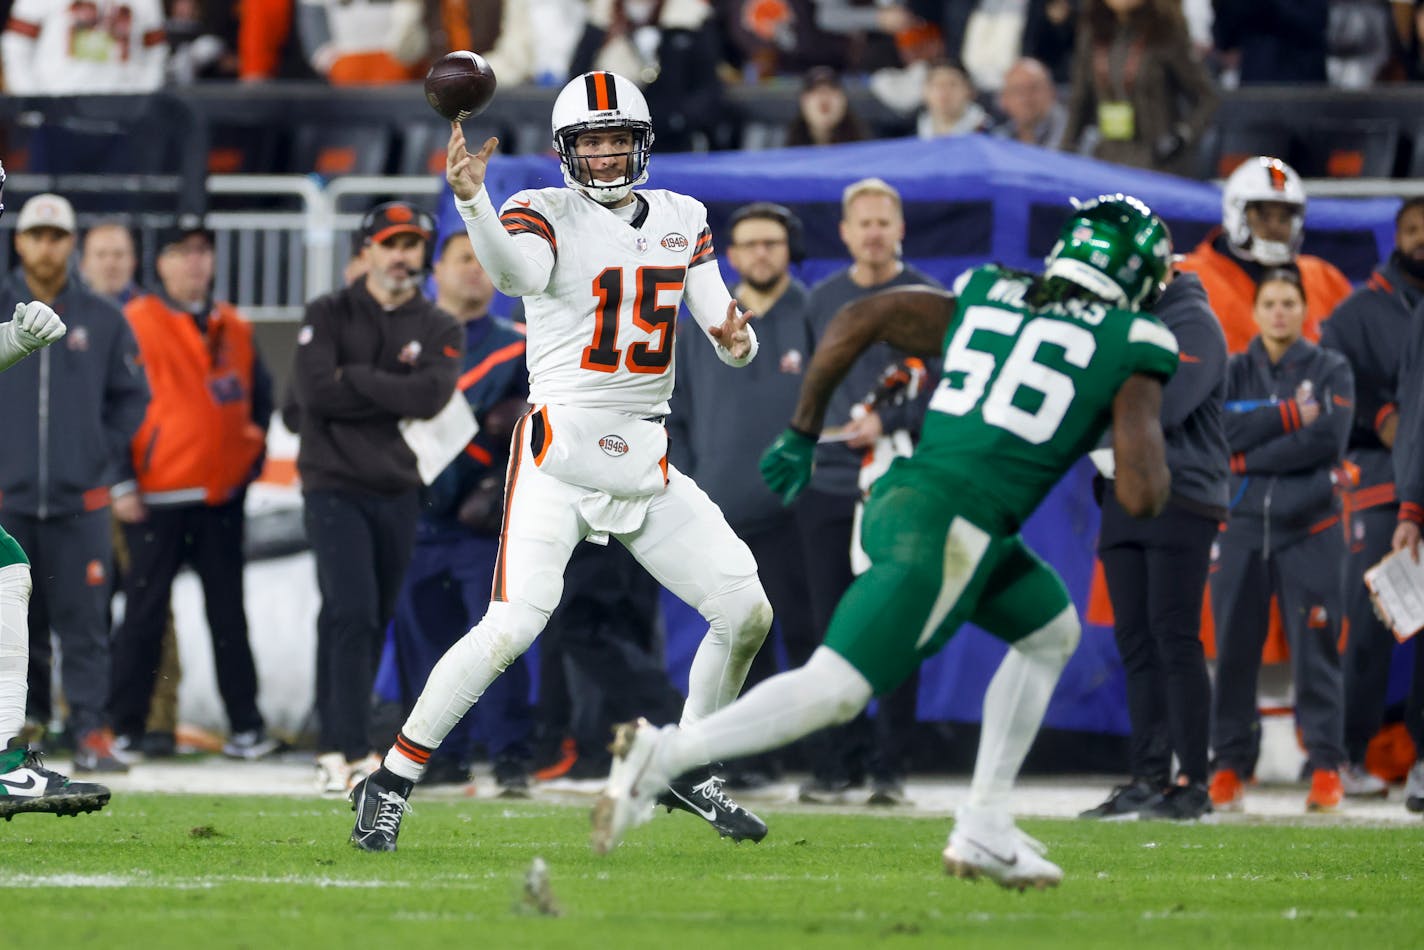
[(1226, 790), (1325, 791)]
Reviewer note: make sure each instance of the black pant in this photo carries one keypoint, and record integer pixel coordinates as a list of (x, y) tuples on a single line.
[(601, 654), (843, 753), (210, 539), (362, 543), (71, 558), (1369, 646), (1156, 572)]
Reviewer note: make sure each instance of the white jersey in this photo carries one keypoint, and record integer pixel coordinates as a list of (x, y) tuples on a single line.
[(601, 332), (58, 47)]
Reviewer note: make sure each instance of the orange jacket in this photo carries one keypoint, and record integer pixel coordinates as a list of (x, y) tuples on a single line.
[(1232, 292), (198, 442)]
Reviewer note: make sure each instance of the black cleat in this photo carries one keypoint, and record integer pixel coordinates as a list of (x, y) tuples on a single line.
[(1125, 801), (379, 801), (27, 786), (700, 793), (1180, 803)]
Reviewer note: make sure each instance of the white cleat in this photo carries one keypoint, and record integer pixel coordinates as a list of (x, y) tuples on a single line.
[(633, 786), (1001, 852)]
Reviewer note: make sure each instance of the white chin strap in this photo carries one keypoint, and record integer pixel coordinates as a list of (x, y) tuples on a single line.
[(1087, 277)]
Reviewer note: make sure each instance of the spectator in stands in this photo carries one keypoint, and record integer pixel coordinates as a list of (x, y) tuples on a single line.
[(778, 37), (1140, 96), (1029, 101), (108, 265), (268, 46), (364, 43), (764, 240), (108, 262), (825, 116), (446, 589), (671, 49), (58, 48), (1274, 41), (1408, 16), (202, 41), (1371, 329), (523, 40), (1049, 29), (202, 442), (1156, 572), (1262, 226), (368, 355), (1359, 42), (1288, 415), (873, 229), (69, 414), (950, 108)]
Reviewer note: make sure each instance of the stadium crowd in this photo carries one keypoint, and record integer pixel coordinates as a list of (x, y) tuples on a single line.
[(1292, 430)]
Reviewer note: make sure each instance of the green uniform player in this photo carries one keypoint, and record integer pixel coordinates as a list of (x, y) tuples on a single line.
[(1035, 369), (25, 784)]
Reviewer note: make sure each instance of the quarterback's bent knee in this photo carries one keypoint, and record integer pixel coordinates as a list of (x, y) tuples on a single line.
[(1056, 640), (742, 614), (505, 633)]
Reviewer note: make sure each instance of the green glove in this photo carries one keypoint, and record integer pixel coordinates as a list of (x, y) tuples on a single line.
[(786, 465)]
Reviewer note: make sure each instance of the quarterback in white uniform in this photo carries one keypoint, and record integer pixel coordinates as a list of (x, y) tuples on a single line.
[(602, 270)]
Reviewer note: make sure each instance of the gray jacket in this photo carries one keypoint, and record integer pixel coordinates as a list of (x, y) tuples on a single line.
[(1192, 400), (837, 469), (1281, 484), (70, 409), (723, 418)]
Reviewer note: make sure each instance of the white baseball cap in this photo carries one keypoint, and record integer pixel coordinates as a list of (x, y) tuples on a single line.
[(47, 211)]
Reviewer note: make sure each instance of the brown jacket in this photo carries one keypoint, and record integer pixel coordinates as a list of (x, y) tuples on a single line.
[(1168, 88)]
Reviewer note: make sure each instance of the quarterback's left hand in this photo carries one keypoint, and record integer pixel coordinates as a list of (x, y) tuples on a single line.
[(37, 325), (732, 333), (786, 466)]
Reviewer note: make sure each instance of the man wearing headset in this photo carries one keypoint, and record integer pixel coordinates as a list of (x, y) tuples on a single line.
[(765, 239), (368, 355)]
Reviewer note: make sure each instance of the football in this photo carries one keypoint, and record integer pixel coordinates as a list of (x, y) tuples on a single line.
[(459, 85)]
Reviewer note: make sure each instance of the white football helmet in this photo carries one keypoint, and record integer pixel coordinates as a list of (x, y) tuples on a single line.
[(1262, 179), (602, 100)]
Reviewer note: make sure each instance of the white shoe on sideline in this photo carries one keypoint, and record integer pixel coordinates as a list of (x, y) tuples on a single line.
[(1358, 782), (988, 844), (634, 784), (333, 775)]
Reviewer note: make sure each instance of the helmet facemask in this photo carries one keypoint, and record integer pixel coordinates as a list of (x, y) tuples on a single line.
[(1262, 180), (1115, 248), (578, 170)]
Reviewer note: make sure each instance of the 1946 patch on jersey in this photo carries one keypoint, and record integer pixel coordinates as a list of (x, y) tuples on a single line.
[(613, 445), (674, 242)]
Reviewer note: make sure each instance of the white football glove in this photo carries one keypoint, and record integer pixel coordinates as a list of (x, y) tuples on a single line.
[(37, 325)]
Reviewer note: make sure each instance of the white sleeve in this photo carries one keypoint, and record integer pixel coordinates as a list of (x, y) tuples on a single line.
[(152, 53), (707, 297), (18, 47), (518, 264)]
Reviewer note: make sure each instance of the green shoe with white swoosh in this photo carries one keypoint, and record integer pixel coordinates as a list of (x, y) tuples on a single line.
[(27, 786)]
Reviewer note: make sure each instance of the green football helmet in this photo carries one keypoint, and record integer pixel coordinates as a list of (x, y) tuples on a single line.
[(1115, 247)]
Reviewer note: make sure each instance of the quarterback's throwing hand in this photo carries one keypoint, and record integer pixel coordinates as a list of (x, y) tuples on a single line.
[(732, 333), (786, 465), (466, 172), (37, 325)]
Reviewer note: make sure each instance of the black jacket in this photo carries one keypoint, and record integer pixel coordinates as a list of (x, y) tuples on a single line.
[(70, 409), (359, 369), (1371, 328), (1192, 400), (1281, 484)]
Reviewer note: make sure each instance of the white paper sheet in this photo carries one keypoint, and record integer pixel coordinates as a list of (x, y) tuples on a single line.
[(1396, 586), (436, 441)]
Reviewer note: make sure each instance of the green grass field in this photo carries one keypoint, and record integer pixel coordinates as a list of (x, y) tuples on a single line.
[(204, 871)]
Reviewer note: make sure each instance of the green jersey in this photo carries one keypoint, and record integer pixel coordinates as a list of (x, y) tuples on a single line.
[(1026, 391)]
